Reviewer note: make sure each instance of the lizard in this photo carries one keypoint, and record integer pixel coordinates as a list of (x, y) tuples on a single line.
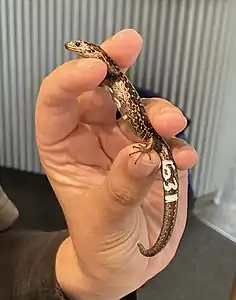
[(132, 110)]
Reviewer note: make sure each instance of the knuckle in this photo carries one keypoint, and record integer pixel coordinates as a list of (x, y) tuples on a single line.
[(154, 105), (122, 195)]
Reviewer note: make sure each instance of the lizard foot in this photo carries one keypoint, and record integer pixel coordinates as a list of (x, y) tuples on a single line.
[(145, 148)]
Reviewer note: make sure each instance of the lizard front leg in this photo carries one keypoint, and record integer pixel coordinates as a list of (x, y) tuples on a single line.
[(144, 148)]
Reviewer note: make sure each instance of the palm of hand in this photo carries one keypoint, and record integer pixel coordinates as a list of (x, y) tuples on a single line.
[(80, 161), (78, 140)]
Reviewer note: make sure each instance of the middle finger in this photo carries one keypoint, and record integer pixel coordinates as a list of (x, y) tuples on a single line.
[(166, 119)]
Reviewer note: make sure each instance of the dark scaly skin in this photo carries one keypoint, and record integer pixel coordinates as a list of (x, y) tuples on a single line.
[(133, 111)]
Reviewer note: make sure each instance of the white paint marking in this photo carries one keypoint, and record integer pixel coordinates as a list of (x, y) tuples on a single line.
[(167, 169), (171, 198), (170, 185), (167, 166)]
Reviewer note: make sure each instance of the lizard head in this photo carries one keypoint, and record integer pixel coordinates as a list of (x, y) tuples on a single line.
[(90, 50), (84, 49)]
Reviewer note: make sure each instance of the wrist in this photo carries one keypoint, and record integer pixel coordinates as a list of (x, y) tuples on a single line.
[(73, 279)]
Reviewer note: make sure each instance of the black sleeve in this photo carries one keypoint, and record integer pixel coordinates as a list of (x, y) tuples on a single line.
[(27, 265)]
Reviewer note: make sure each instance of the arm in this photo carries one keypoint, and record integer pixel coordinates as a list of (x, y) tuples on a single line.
[(27, 264), (28, 259)]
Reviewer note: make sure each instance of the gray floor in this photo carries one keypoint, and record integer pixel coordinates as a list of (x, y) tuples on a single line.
[(220, 214), (203, 267), (220, 217)]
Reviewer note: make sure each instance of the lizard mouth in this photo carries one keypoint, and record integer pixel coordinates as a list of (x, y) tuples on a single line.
[(72, 45)]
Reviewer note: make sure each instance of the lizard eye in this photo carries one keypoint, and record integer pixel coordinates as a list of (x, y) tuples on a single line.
[(77, 44)]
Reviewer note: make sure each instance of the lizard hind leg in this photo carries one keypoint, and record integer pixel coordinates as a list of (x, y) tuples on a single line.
[(144, 148)]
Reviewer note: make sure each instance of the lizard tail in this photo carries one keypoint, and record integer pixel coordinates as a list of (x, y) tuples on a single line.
[(171, 196)]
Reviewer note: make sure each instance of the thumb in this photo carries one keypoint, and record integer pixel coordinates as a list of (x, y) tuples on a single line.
[(128, 183)]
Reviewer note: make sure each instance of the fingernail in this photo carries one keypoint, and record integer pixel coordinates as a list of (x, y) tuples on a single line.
[(117, 35), (185, 147), (183, 144), (121, 34), (143, 166), (170, 110)]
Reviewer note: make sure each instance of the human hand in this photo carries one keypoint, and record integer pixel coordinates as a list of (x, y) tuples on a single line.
[(84, 152)]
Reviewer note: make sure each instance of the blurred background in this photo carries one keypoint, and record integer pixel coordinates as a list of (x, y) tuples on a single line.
[(188, 57)]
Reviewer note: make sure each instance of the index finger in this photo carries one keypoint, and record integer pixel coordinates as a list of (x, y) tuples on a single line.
[(57, 110)]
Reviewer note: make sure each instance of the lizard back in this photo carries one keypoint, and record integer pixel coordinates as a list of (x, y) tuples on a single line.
[(133, 111)]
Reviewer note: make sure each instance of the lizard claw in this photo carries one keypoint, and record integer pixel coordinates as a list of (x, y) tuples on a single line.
[(142, 149)]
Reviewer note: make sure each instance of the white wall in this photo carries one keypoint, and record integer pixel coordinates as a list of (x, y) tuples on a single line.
[(185, 46)]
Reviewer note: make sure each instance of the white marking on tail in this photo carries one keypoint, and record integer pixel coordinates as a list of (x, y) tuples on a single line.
[(168, 169), (171, 198)]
